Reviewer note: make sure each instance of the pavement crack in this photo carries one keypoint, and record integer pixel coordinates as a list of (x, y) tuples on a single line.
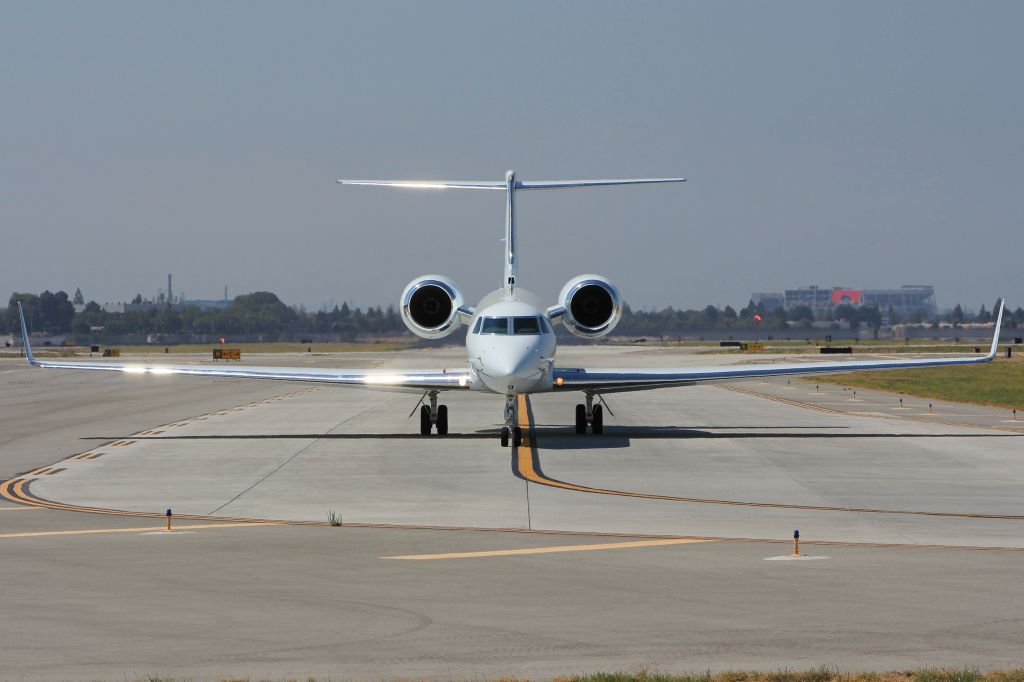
[(285, 463)]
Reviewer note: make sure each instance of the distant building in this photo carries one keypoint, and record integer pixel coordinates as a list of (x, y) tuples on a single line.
[(202, 304), (908, 300), (814, 297), (768, 301)]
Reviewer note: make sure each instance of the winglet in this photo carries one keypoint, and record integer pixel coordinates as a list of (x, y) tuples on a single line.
[(995, 335), (24, 335)]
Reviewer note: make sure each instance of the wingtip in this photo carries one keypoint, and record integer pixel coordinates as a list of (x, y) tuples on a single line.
[(996, 331), (24, 335)]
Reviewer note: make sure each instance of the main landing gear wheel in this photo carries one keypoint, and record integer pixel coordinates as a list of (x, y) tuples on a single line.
[(433, 415), (517, 436), (442, 420), (504, 436), (425, 421), (581, 419), (589, 414)]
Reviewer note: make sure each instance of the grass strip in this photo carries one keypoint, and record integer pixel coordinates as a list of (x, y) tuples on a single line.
[(999, 383), (819, 674)]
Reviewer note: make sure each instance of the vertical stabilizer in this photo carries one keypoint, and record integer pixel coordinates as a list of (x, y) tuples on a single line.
[(511, 269)]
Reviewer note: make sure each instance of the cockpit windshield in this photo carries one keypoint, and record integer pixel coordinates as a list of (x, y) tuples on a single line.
[(532, 325), (494, 325), (526, 325)]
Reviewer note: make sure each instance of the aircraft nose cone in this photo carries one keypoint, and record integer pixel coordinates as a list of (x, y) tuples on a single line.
[(515, 367)]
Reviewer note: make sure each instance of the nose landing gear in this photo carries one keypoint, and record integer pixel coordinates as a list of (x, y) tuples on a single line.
[(433, 415), (589, 414), (511, 428)]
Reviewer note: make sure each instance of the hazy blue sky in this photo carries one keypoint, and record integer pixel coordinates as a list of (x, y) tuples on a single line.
[(863, 144)]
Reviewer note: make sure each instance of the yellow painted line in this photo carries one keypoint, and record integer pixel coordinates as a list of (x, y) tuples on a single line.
[(141, 529), (530, 469), (550, 550), (3, 509)]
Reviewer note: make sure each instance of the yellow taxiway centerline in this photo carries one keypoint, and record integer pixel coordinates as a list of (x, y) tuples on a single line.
[(550, 550), (142, 529)]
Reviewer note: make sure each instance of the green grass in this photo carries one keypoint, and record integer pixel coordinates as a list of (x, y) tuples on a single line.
[(819, 674), (206, 348), (999, 383), (864, 348)]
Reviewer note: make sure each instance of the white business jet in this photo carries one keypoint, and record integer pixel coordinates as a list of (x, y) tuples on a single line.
[(510, 346)]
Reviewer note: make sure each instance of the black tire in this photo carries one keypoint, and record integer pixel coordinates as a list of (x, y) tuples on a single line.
[(442, 420), (581, 419), (424, 420), (597, 422), (504, 436), (517, 437)]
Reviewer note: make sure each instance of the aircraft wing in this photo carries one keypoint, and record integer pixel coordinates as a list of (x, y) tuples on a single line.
[(618, 380), (411, 381)]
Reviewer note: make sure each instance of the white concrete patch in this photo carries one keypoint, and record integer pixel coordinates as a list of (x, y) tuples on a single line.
[(355, 451)]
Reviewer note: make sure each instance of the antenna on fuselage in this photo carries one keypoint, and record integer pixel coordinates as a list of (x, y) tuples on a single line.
[(510, 186)]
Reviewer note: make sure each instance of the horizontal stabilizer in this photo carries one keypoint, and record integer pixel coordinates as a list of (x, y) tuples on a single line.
[(518, 184), (425, 184), (566, 184)]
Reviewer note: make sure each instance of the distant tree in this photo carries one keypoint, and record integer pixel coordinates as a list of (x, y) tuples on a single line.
[(870, 316), (137, 300), (30, 303), (711, 315), (93, 307), (891, 315), (80, 325), (57, 311), (168, 321), (729, 313), (802, 312), (78, 299), (957, 317), (983, 315)]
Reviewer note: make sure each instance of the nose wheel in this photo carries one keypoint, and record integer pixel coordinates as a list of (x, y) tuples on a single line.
[(511, 431), (589, 414), (433, 415), (515, 434)]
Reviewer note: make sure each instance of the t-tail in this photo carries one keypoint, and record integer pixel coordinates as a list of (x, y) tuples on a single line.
[(510, 186)]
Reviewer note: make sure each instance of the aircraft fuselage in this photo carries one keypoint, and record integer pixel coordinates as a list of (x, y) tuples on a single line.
[(510, 347)]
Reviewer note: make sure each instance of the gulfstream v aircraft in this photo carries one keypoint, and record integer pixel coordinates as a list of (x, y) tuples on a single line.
[(510, 346)]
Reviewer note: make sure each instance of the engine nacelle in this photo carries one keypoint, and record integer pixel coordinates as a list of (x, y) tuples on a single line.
[(592, 306), (430, 306)]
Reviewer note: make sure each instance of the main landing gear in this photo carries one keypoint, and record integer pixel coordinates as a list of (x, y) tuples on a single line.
[(589, 414), (433, 415), (511, 429)]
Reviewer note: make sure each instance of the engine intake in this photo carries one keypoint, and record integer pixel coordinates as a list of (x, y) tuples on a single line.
[(592, 306), (430, 306)]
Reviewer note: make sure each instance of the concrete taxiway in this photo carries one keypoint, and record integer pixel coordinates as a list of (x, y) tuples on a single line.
[(644, 547)]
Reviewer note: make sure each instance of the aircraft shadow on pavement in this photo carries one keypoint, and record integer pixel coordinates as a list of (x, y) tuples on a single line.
[(478, 435), (564, 438), (558, 438)]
